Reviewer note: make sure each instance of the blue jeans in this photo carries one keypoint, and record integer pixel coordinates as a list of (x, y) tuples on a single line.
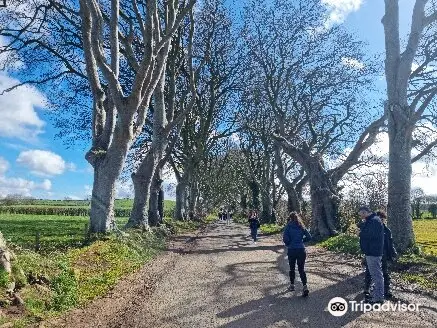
[(375, 269), (254, 233)]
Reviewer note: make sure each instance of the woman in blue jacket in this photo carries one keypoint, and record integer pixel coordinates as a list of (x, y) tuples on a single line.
[(295, 235)]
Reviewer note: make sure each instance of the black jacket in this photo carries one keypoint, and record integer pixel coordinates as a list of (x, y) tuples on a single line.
[(254, 223), (389, 249), (372, 236)]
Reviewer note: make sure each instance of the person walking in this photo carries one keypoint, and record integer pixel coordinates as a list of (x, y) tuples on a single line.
[(295, 234), (372, 245), (228, 217), (389, 254), (254, 224)]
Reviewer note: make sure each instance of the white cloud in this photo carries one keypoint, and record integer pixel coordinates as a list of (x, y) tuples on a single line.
[(73, 197), (340, 9), (352, 63), (9, 186), (235, 138), (71, 167), (46, 185), (124, 189), (13, 185), (4, 166), (42, 162), (18, 118)]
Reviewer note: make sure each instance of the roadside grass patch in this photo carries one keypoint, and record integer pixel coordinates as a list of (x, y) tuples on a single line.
[(425, 232), (418, 266), (177, 227), (343, 243), (75, 270), (271, 229)]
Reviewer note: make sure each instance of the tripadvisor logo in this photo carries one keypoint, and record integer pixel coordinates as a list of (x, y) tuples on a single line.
[(338, 307)]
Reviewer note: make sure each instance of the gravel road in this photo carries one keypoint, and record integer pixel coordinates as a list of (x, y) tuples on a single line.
[(220, 279)]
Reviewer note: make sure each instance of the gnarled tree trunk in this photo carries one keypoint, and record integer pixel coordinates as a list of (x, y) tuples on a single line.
[(181, 197), (142, 179), (399, 184), (193, 197), (107, 168), (293, 203), (156, 200), (323, 202), (5, 256)]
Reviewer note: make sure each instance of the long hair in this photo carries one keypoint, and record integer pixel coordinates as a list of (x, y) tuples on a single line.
[(294, 217), (382, 215)]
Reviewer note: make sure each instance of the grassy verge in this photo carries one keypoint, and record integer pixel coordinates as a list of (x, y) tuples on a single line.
[(67, 272), (343, 243), (271, 229), (418, 267)]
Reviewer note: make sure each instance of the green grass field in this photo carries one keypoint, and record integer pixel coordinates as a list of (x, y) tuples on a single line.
[(426, 235), (119, 203), (78, 270), (56, 232)]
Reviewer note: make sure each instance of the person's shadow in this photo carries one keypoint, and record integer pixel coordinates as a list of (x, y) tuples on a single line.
[(289, 309)]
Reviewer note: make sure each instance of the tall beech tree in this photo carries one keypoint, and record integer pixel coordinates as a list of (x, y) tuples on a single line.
[(311, 79), (212, 119), (119, 48), (164, 121), (411, 93)]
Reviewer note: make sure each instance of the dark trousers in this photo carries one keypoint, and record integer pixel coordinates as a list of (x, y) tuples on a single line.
[(297, 255), (385, 273), (254, 233)]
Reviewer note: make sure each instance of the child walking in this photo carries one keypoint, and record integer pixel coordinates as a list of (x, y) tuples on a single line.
[(295, 235), (254, 225)]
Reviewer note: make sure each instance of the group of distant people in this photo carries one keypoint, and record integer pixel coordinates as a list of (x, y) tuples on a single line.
[(225, 215)]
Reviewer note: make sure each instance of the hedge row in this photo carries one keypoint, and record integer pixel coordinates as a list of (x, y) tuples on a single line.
[(65, 211)]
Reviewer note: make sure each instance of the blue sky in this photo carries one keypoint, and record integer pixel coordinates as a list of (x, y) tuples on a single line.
[(33, 162)]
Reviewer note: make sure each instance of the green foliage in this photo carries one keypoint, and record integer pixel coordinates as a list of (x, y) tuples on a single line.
[(4, 279), (79, 275), (241, 219), (64, 286), (343, 243), (270, 229), (177, 226), (433, 210)]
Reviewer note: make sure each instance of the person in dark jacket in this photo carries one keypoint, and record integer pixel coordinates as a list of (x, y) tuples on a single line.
[(372, 245), (295, 234), (254, 224), (388, 255)]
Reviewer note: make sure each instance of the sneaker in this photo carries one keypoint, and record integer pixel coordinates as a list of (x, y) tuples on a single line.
[(305, 291), (291, 288)]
